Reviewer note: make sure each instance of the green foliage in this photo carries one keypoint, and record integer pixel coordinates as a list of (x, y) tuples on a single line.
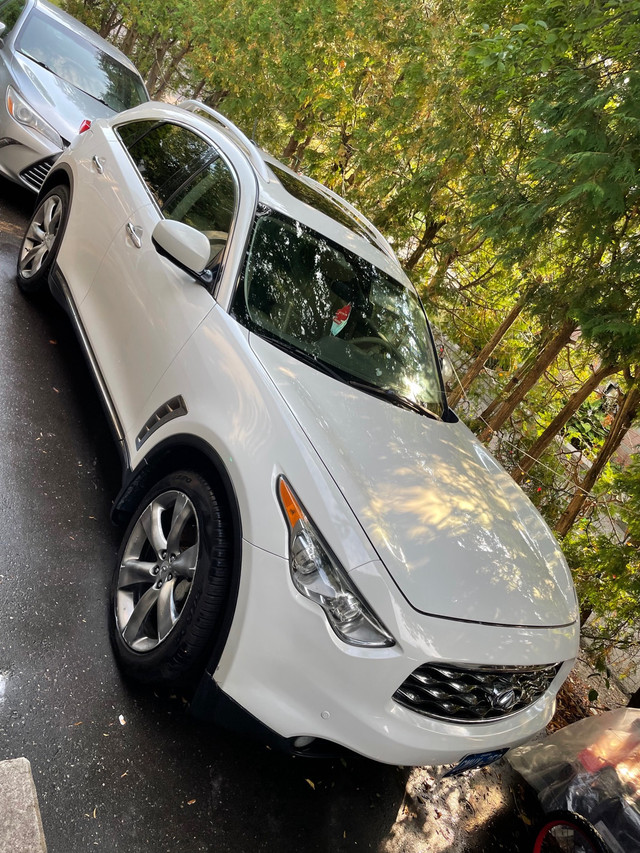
[(589, 426), (562, 84), (546, 488), (606, 567)]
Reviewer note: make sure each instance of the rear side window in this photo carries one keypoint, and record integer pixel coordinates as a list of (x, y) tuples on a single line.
[(187, 177), (9, 14)]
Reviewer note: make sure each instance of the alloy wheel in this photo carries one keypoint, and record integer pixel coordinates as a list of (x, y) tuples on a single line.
[(41, 236), (157, 569)]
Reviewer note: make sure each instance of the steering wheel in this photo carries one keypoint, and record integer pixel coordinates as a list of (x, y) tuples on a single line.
[(375, 342)]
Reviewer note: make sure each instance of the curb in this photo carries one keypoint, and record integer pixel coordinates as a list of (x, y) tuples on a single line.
[(20, 823)]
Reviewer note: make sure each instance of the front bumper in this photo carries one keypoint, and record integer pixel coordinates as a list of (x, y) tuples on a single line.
[(284, 665)]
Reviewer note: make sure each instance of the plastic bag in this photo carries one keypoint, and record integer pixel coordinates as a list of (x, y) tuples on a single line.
[(591, 767)]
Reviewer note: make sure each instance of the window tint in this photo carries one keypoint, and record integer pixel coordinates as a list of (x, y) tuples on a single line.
[(206, 202), (9, 14), (187, 177), (165, 154)]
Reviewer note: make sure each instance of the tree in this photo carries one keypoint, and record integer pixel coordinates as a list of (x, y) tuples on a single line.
[(487, 350), (627, 412), (606, 566), (561, 419), (547, 356)]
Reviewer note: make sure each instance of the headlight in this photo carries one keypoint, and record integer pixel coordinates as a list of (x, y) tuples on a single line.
[(317, 574), (22, 112)]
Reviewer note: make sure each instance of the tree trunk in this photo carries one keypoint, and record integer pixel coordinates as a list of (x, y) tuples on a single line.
[(129, 41), (110, 21), (199, 89), (514, 379), (504, 392), (171, 69), (431, 228), (619, 427), (548, 355), (160, 52), (295, 140), (486, 351), (563, 416)]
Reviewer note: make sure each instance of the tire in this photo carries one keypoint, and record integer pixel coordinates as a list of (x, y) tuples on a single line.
[(566, 831), (171, 582), (41, 241)]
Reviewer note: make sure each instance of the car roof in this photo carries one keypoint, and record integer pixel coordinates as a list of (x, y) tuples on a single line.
[(87, 33)]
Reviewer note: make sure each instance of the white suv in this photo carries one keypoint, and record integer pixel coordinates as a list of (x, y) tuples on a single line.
[(314, 539)]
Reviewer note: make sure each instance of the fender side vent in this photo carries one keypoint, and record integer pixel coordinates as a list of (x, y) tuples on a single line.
[(34, 175), (174, 408)]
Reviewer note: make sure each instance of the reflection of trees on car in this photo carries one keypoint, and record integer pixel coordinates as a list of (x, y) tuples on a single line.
[(189, 180), (335, 305), (69, 56)]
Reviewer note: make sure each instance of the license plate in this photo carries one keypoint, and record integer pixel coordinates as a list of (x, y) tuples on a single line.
[(472, 762)]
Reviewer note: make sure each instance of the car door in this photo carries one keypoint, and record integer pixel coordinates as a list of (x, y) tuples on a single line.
[(141, 308), (107, 190)]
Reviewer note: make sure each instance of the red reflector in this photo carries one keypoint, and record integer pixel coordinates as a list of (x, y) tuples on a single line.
[(86, 124)]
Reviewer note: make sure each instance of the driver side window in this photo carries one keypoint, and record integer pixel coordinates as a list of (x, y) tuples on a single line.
[(187, 177)]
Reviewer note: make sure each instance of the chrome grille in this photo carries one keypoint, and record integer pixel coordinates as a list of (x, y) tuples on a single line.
[(35, 174), (473, 694)]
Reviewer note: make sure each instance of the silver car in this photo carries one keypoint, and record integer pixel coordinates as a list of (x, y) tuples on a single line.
[(56, 75)]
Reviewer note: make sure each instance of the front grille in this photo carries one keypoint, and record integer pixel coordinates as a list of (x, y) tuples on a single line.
[(35, 174), (473, 694)]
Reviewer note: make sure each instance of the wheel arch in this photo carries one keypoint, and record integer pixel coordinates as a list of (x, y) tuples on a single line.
[(60, 174), (182, 452)]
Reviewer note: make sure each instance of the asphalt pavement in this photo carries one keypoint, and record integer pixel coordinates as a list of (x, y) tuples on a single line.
[(123, 769)]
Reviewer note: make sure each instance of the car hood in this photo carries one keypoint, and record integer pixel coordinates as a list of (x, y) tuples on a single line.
[(61, 104), (457, 535)]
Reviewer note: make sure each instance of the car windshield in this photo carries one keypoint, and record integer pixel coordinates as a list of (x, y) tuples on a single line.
[(78, 62), (318, 299)]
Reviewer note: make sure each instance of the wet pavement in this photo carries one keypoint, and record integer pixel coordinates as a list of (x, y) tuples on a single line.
[(118, 768)]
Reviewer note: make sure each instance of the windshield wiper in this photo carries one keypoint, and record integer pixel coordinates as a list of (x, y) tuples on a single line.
[(395, 398), (303, 355), (64, 79), (39, 62)]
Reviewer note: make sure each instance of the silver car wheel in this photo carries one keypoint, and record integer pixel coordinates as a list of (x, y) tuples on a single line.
[(156, 572), (41, 236)]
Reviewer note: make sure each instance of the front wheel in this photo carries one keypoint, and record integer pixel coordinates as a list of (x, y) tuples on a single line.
[(41, 241), (171, 581)]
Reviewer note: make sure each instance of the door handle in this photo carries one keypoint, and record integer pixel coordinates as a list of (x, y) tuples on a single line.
[(135, 234), (98, 162)]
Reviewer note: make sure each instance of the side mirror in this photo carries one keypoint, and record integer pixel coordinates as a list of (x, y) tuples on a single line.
[(187, 247), (3, 28)]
